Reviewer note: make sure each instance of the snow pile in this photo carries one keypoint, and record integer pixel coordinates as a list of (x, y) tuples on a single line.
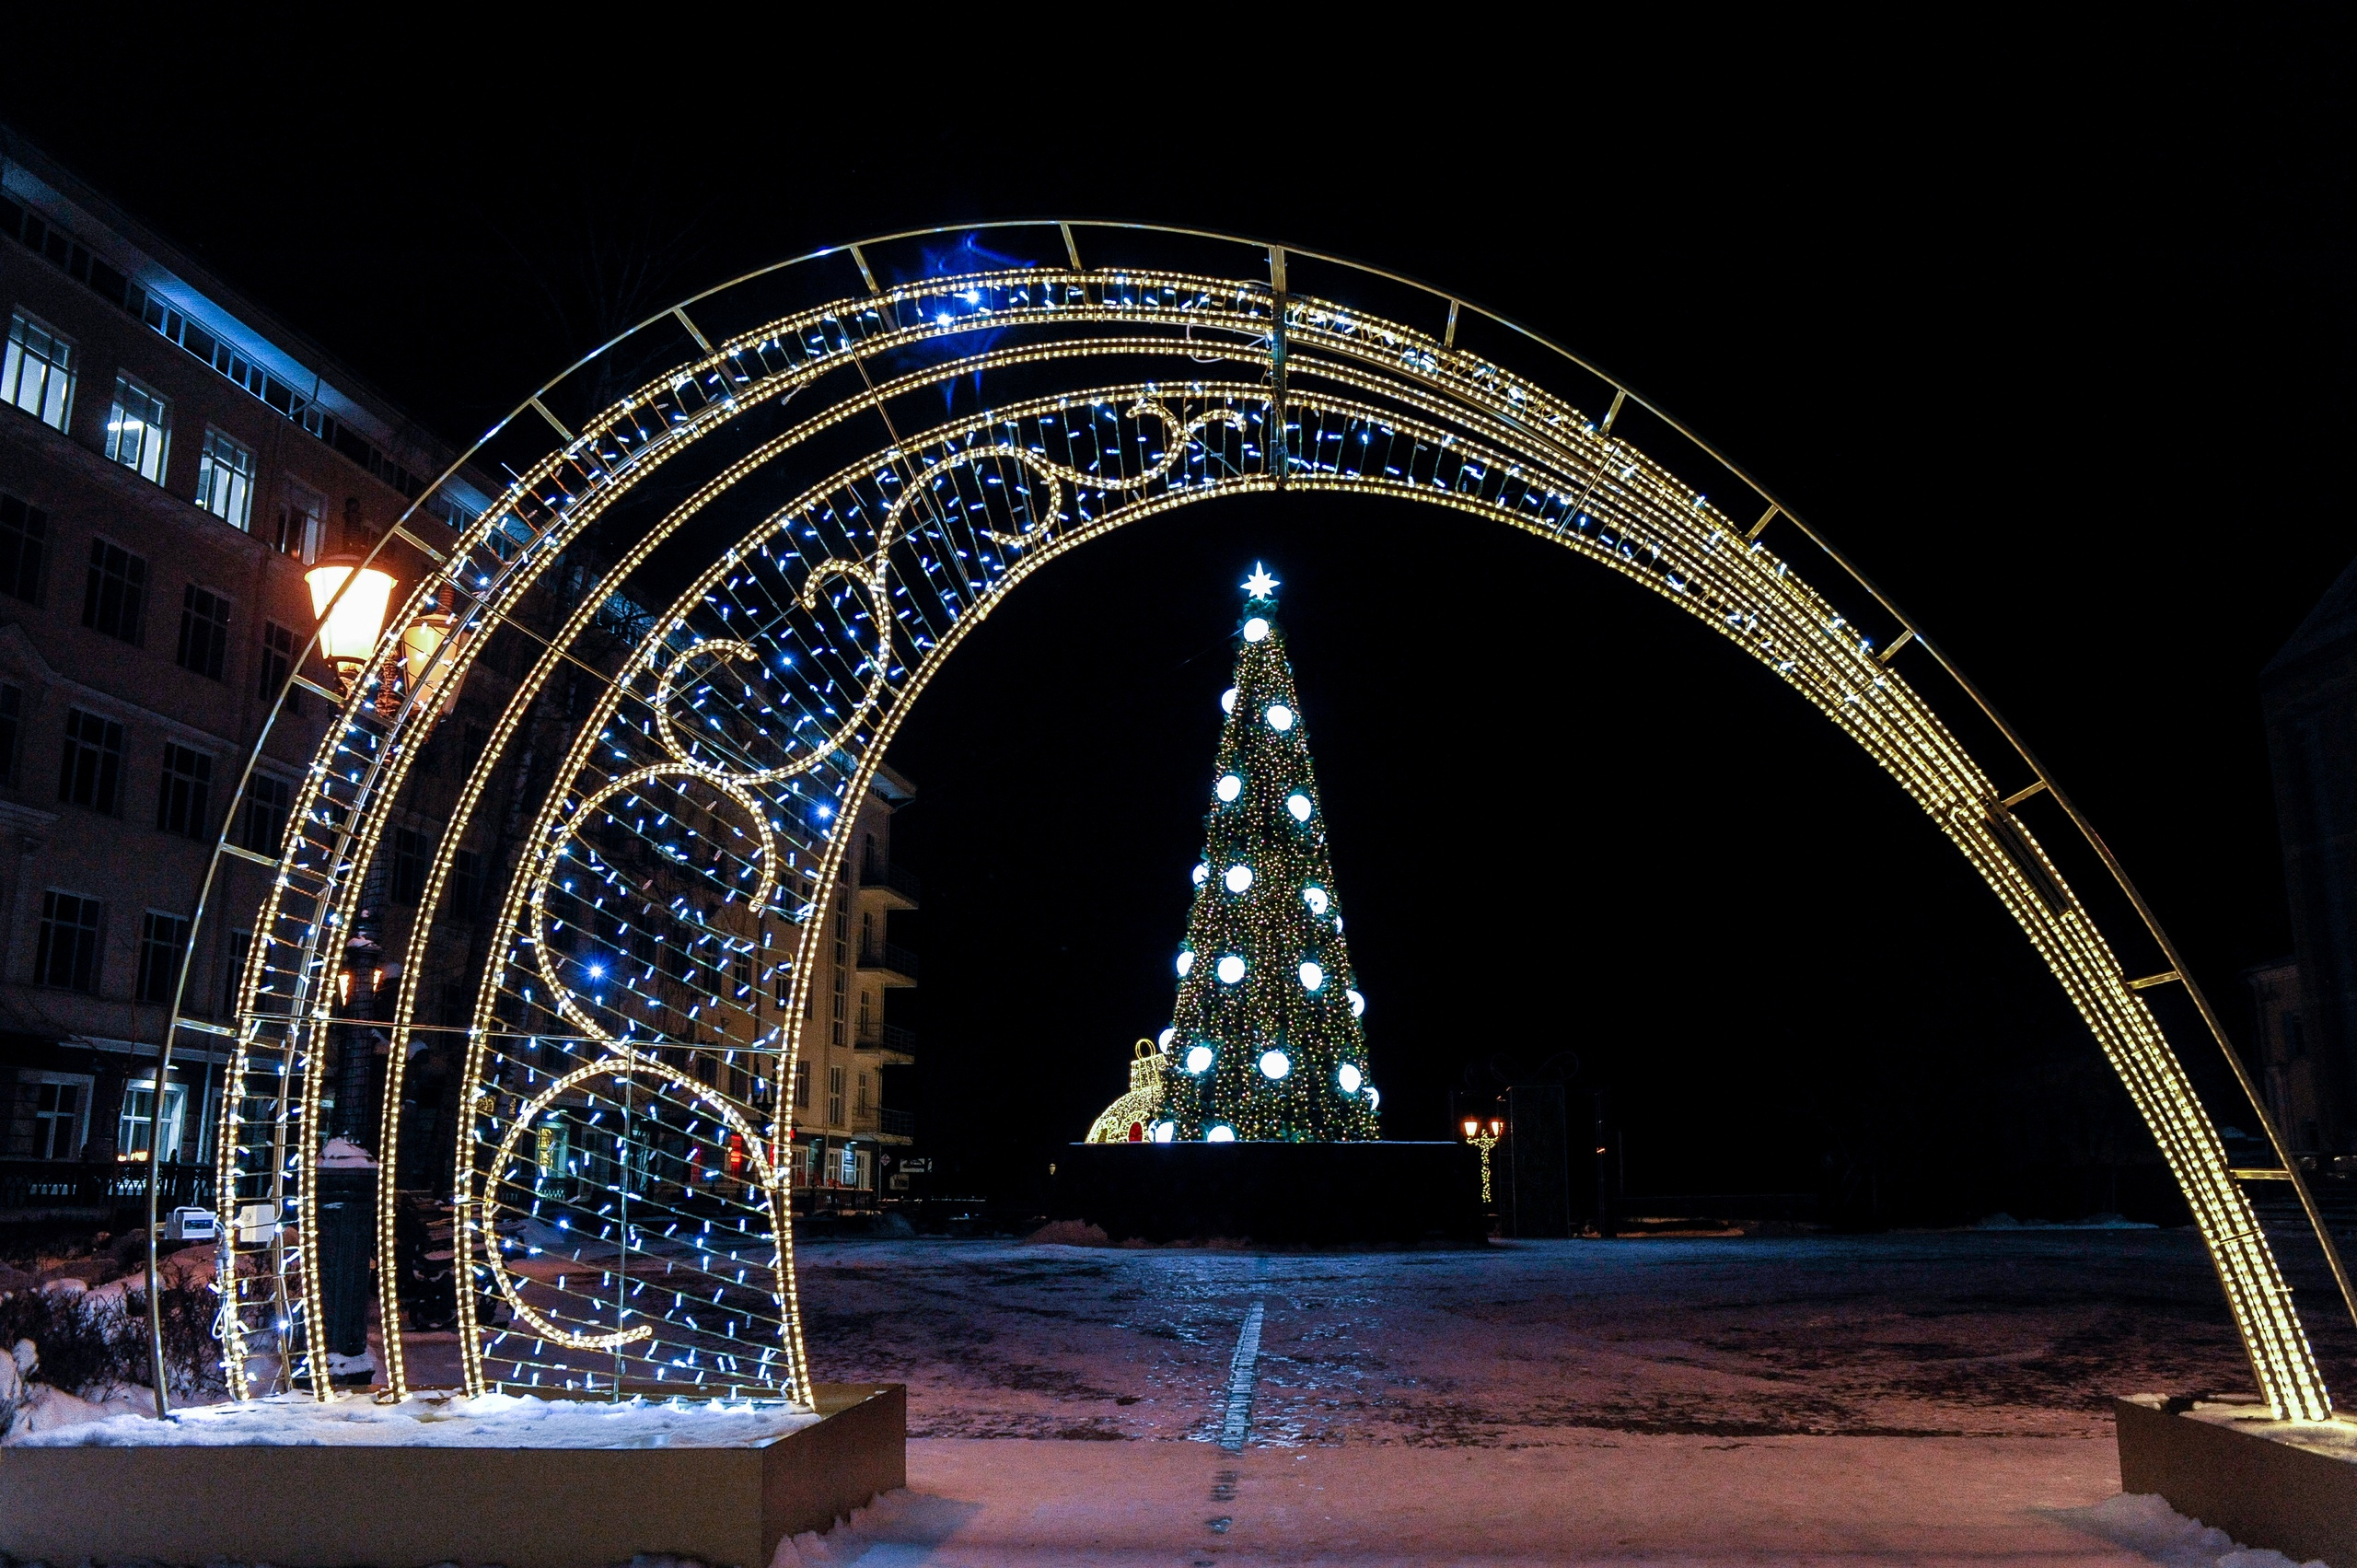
[(899, 1517), (2145, 1524), (438, 1420)]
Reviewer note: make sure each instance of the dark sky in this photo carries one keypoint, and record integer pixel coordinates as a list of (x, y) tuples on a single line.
[(2050, 334)]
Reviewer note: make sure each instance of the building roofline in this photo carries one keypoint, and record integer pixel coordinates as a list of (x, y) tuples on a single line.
[(167, 270)]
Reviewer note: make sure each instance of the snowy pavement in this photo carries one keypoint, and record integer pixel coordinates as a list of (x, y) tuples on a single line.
[(1911, 1399)]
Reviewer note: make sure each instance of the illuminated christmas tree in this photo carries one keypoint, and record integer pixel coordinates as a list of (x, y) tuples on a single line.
[(1265, 1041)]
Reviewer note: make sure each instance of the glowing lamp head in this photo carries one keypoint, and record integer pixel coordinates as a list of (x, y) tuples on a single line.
[(1471, 1126), (352, 623)]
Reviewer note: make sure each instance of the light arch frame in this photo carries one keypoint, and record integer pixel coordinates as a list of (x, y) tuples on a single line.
[(1303, 346)]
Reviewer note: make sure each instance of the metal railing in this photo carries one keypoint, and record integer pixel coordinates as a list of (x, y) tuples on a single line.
[(895, 1123), (883, 873), (41, 1186), (886, 1037), (889, 955)]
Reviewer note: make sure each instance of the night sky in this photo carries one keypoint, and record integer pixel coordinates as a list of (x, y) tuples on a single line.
[(2050, 334)]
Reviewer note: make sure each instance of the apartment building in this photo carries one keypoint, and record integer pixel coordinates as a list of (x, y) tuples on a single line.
[(846, 1134), (170, 460)]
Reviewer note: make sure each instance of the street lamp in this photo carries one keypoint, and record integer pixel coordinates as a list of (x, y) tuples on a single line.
[(352, 619), (1484, 1137)]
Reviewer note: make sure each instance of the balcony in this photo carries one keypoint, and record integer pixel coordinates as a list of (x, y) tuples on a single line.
[(891, 964), (895, 1123), (892, 1039), (895, 888)]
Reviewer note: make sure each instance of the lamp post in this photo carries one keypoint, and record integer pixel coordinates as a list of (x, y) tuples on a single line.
[(1484, 1135)]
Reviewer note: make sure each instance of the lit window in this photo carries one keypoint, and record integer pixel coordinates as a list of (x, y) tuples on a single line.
[(224, 478), (38, 376), (302, 522), (138, 428)]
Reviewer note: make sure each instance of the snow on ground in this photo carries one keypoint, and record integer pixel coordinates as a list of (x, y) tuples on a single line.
[(432, 1421), (1963, 1334)]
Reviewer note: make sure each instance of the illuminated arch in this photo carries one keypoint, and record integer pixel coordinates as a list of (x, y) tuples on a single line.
[(735, 577)]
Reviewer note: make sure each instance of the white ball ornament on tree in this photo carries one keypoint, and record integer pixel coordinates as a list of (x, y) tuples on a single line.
[(1299, 805), (1223, 1133), (1164, 1130), (1186, 962), (1162, 1041), (1358, 1004), (1315, 897), (1231, 969), (1349, 1078), (1275, 1064), (1198, 1059), (1227, 701), (1312, 976), (1255, 629), (1228, 788), (1238, 878), (1203, 874), (1280, 717)]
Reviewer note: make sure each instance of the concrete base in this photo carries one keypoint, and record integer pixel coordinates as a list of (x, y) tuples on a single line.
[(407, 1507), (2288, 1485)]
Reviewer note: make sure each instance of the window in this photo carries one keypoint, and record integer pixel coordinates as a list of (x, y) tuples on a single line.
[(114, 600), (162, 939), (38, 376), (862, 1093), (849, 1169), (204, 631), (68, 955), (408, 865), (266, 805), (58, 1111), (180, 800), (302, 521), (224, 478), (834, 1097), (139, 1107), (12, 704), (843, 982), (90, 771), (802, 1085), (138, 428), (277, 661), (23, 533), (241, 947), (466, 884)]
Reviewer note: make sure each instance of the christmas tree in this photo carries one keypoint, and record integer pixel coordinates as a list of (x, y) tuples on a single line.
[(1265, 1041)]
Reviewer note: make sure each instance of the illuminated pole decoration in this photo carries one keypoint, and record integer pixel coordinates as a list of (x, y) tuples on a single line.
[(1265, 1041), (696, 737), (1484, 1137)]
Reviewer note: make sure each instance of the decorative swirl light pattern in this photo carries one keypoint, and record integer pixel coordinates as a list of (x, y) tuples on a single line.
[(702, 861)]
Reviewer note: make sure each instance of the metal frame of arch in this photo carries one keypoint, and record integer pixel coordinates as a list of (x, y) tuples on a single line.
[(740, 540)]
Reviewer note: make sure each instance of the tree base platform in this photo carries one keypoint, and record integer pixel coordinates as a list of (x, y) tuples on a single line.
[(1273, 1194), (407, 1506), (2291, 1485)]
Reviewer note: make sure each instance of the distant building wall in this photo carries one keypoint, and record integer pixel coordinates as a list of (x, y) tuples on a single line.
[(2308, 697)]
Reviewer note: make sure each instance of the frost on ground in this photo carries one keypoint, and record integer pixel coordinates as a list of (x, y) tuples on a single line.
[(2002, 1334), (2147, 1525), (434, 1421)]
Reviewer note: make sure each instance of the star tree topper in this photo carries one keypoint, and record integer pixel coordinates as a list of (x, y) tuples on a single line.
[(1259, 585)]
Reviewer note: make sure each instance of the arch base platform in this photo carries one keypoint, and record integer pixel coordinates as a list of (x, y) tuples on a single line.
[(324, 1507), (2291, 1485)]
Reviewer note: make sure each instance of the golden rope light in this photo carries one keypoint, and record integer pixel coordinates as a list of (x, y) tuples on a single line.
[(1500, 447)]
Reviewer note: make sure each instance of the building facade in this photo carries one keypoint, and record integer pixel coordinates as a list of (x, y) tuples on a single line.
[(2308, 699), (171, 460)]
